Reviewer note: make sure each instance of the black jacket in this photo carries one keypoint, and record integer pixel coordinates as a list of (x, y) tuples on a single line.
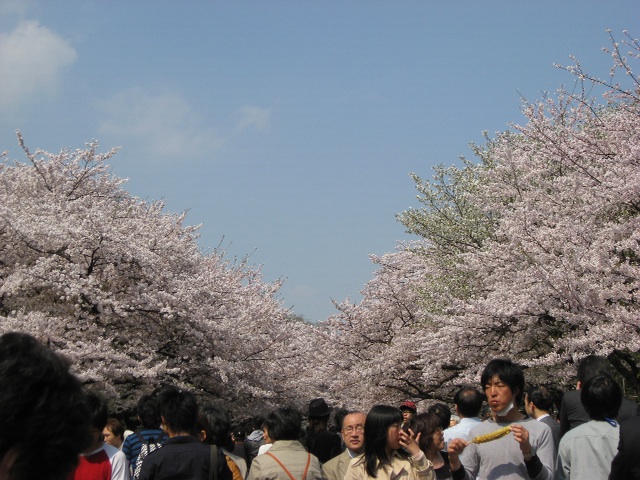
[(572, 413), (183, 458)]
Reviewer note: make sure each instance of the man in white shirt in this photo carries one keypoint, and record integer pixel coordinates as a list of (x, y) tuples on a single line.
[(468, 401)]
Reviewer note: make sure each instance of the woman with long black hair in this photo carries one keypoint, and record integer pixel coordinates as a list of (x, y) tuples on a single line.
[(389, 451)]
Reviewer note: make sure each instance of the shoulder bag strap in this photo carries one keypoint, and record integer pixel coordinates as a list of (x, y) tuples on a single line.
[(213, 463), (306, 469)]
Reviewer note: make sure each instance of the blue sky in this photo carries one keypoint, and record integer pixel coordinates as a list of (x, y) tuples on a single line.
[(288, 129)]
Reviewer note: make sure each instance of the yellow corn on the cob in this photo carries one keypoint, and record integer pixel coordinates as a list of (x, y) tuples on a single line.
[(487, 437)]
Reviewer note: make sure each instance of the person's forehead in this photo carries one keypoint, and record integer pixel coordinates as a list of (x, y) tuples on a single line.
[(354, 419)]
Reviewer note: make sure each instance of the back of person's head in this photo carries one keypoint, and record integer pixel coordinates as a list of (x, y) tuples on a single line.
[(216, 422), (601, 397), (443, 412), (426, 425), (376, 428), (318, 415), (469, 401), (178, 409), (44, 420), (507, 371), (338, 418), (238, 433), (98, 410), (284, 423), (540, 397), (148, 412), (257, 422), (592, 365)]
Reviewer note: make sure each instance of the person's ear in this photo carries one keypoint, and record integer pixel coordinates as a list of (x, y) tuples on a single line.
[(202, 435), (6, 463)]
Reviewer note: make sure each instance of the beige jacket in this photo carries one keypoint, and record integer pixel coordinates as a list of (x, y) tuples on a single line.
[(399, 469), (335, 468), (292, 455)]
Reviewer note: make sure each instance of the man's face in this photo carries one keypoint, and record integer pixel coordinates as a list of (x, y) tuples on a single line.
[(110, 438), (498, 393), (353, 431)]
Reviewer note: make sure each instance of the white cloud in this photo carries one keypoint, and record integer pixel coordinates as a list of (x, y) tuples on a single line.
[(251, 116), (32, 58), (163, 125)]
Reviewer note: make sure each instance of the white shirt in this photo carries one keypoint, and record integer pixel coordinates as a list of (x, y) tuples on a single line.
[(461, 430)]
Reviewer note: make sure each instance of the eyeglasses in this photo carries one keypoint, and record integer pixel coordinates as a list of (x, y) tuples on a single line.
[(353, 428)]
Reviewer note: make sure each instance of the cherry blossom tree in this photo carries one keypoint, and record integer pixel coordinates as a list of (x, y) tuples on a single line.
[(121, 288), (530, 253), (558, 277), (385, 346)]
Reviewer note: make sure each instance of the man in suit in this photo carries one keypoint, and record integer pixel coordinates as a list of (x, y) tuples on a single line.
[(538, 403), (626, 463), (572, 413), (353, 436)]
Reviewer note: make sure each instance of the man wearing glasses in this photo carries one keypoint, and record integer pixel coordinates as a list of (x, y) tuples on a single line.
[(353, 437)]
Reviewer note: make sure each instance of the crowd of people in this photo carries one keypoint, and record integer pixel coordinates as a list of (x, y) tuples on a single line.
[(505, 429)]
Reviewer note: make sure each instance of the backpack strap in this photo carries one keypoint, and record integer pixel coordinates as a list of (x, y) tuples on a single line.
[(149, 440), (140, 437), (213, 463), (306, 469)]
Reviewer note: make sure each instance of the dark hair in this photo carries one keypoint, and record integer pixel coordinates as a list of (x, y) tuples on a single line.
[(98, 411), (601, 397), (426, 425), (469, 401), (238, 433), (317, 424), (443, 412), (116, 427), (148, 411), (540, 397), (257, 422), (338, 417), (45, 417), (179, 409), (508, 372), (216, 422), (285, 423), (376, 429), (592, 365)]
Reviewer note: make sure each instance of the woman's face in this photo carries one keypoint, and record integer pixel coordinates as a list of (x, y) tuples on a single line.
[(437, 440), (393, 436), (265, 434)]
